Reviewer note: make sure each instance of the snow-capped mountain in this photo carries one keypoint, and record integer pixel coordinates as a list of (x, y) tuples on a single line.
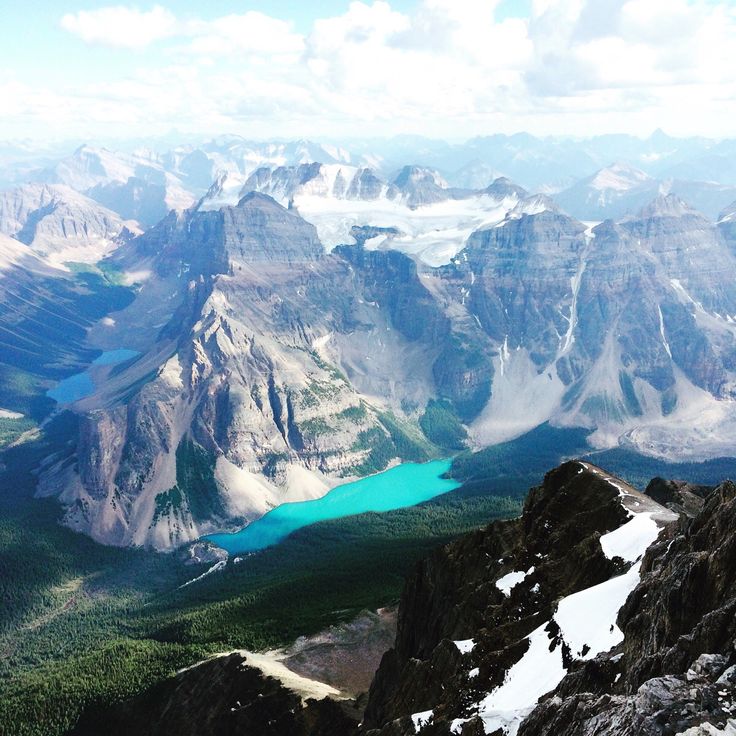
[(416, 212), (612, 192), (619, 190)]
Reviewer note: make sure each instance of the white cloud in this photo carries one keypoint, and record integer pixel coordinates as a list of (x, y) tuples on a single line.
[(251, 32), (449, 67), (120, 26)]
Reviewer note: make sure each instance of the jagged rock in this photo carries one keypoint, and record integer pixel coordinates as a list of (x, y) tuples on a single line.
[(454, 596)]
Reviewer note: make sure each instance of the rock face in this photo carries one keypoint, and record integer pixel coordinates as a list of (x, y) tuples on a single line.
[(554, 300), (338, 181), (467, 626), (493, 621), (59, 224)]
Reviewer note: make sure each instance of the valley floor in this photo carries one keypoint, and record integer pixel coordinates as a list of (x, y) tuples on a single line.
[(85, 626)]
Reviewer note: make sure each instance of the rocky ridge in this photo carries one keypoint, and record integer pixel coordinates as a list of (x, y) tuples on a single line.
[(467, 626), (598, 611)]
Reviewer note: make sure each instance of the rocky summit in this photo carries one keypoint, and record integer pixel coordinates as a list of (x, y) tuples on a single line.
[(598, 612)]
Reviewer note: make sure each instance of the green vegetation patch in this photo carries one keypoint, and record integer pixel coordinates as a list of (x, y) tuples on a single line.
[(442, 426)]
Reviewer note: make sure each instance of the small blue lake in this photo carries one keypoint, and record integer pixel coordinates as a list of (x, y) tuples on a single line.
[(81, 384), (404, 485)]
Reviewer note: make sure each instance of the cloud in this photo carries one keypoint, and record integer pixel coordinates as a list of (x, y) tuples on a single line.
[(121, 26), (448, 67)]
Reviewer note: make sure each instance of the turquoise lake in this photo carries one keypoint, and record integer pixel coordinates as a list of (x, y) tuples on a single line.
[(404, 485), (81, 384)]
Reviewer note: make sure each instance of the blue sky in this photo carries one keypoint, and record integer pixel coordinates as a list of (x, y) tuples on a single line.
[(451, 68)]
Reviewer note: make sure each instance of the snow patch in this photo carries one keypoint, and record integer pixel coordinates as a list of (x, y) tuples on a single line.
[(7, 414), (217, 566), (465, 646), (587, 619), (511, 580), (630, 541), (422, 719)]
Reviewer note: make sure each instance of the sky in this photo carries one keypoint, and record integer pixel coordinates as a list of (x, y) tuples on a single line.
[(336, 69)]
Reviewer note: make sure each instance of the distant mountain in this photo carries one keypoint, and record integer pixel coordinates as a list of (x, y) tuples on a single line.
[(136, 186), (58, 224), (415, 212), (612, 192), (620, 190)]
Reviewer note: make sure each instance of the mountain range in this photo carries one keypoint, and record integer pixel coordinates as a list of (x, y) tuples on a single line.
[(191, 338)]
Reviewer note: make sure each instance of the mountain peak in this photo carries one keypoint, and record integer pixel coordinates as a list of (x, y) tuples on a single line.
[(411, 175), (619, 176), (535, 204), (503, 187), (259, 200), (666, 205)]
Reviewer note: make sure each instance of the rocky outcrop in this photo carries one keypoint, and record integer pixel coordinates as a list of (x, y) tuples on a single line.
[(675, 672), (474, 610), (223, 696)]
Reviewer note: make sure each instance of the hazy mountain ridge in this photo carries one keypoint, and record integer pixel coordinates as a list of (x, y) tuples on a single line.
[(141, 184), (60, 225)]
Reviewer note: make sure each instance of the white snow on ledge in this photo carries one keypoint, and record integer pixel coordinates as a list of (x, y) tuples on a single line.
[(422, 719), (511, 580), (465, 646), (631, 540), (587, 624)]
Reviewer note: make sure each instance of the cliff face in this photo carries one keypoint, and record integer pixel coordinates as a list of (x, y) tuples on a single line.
[(613, 328), (277, 374), (493, 621), (642, 622)]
